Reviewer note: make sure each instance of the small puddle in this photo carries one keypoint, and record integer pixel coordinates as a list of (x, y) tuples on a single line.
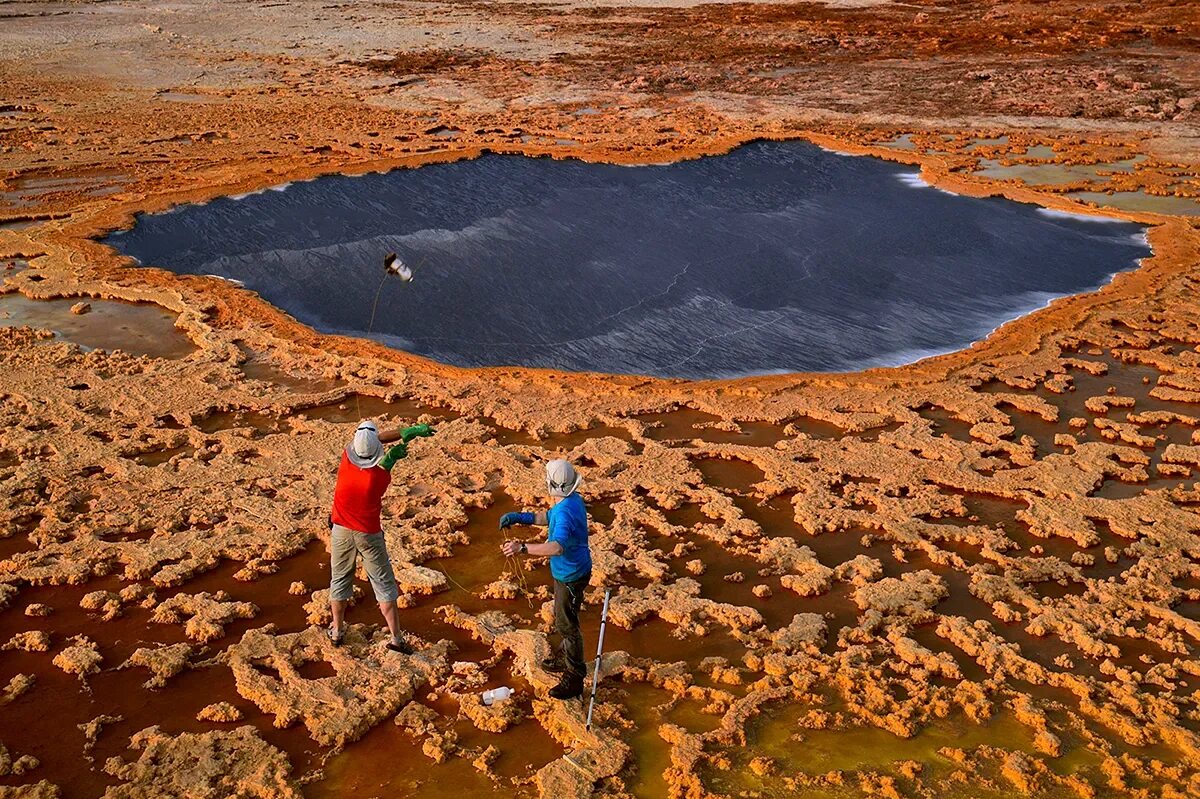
[(644, 705), (686, 515), (653, 638), (139, 329), (689, 714), (1025, 423), (564, 442), (775, 516), (945, 424), (994, 142), (732, 474), (838, 608), (260, 424), (926, 635), (775, 734), (903, 142), (14, 544), (558, 442), (985, 510), (257, 368), (1038, 152), (388, 761), (842, 546), (357, 407), (687, 424), (1140, 202), (316, 670), (1051, 174)]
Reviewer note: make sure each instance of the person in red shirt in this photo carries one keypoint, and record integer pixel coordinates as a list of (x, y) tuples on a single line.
[(356, 527)]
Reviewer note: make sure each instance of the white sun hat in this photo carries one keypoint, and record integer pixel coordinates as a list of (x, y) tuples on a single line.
[(366, 450), (561, 478)]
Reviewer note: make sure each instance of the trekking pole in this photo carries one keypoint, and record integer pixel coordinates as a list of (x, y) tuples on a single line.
[(599, 651)]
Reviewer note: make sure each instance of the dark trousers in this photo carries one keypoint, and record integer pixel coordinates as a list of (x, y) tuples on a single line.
[(568, 598)]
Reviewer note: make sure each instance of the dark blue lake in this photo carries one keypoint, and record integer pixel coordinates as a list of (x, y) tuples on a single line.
[(775, 257)]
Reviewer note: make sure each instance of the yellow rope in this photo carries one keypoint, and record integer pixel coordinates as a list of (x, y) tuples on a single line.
[(370, 329), (515, 564), (371, 324), (457, 584)]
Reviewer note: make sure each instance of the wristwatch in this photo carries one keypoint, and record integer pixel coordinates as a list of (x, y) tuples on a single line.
[(524, 548)]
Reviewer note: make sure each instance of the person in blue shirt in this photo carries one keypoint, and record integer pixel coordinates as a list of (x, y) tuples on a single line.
[(570, 566)]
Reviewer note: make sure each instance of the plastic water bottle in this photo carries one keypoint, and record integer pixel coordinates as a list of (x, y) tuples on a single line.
[(493, 695)]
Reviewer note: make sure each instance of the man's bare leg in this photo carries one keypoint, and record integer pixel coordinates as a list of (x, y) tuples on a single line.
[(338, 608), (391, 614)]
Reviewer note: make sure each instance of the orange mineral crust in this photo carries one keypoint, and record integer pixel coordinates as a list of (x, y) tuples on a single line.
[(978, 575)]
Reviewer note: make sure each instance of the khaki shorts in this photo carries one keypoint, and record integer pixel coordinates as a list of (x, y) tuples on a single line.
[(345, 546)]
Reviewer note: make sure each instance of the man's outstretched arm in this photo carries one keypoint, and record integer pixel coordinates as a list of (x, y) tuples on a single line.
[(406, 434), (546, 550), (509, 519)]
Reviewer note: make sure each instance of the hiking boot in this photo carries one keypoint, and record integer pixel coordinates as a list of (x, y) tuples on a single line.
[(569, 687), (400, 646), (554, 664)]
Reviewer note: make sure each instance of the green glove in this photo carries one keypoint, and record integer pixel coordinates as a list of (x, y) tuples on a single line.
[(416, 431), (394, 454)]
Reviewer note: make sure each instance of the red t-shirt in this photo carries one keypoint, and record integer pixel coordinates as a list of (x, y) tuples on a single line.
[(358, 496)]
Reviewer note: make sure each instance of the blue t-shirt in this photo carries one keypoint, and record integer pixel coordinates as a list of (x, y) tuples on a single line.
[(567, 521)]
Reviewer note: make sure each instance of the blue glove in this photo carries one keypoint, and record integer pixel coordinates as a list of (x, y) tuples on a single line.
[(509, 519)]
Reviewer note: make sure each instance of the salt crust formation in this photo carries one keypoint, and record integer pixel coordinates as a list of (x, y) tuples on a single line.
[(206, 614), (212, 765), (222, 712), (15, 765), (164, 662), (81, 658), (368, 684)]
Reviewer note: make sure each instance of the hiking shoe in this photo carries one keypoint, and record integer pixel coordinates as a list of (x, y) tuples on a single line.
[(400, 646), (554, 665), (569, 687)]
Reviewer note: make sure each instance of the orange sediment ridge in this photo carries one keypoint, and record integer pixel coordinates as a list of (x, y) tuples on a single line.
[(1173, 240)]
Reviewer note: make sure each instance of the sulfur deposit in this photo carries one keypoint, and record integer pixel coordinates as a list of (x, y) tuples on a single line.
[(212, 765), (221, 711), (163, 662), (366, 686), (81, 658), (979, 572)]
